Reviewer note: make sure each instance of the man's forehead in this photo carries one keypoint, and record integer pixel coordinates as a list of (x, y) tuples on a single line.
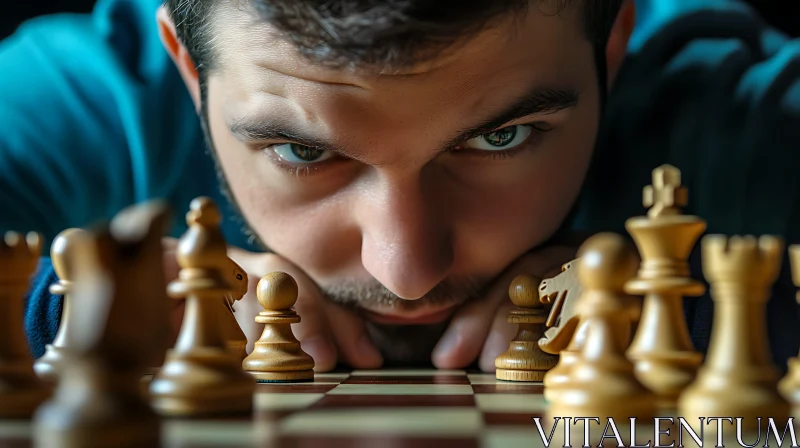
[(382, 118), (241, 34)]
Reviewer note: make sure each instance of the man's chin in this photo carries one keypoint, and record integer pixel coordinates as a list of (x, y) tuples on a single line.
[(421, 316), (406, 345)]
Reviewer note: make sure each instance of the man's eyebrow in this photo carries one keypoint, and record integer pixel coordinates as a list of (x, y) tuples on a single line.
[(250, 130), (537, 101)]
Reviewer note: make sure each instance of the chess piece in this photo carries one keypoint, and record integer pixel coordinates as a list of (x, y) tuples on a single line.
[(118, 279), (20, 389), (566, 332), (524, 360), (562, 293), (601, 381), (661, 349), (49, 365), (235, 339), (738, 378), (200, 375), (277, 356), (790, 384)]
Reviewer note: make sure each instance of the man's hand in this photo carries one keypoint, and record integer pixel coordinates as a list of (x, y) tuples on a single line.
[(330, 333), (480, 328)]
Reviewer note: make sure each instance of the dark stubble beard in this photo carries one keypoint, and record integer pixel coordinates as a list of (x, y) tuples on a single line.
[(399, 345)]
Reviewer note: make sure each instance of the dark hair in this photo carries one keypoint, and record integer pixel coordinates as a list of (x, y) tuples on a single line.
[(386, 32)]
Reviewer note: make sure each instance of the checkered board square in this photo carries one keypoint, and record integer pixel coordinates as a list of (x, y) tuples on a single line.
[(380, 408)]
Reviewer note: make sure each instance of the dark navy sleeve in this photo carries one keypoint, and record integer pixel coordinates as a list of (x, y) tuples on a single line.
[(42, 310)]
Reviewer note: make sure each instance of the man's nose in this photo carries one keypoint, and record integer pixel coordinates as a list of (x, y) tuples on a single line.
[(407, 243)]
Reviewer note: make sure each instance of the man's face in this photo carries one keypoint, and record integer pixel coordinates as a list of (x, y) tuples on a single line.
[(404, 192)]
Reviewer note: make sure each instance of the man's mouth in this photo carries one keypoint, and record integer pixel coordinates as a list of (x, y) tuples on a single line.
[(423, 316)]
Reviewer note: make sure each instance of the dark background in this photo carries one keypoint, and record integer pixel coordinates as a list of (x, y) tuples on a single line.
[(775, 11)]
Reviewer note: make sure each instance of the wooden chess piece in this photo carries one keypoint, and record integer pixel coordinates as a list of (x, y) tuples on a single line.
[(738, 378), (602, 382), (235, 338), (21, 391), (48, 367), (201, 376), (790, 384), (277, 356), (524, 360), (118, 280), (662, 350), (566, 331), (562, 293)]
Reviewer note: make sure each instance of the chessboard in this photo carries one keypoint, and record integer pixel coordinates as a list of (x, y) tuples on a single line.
[(363, 408)]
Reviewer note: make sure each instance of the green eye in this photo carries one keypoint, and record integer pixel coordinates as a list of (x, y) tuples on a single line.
[(300, 154), (501, 139)]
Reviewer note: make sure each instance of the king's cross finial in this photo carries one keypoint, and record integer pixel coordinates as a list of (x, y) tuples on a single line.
[(666, 196)]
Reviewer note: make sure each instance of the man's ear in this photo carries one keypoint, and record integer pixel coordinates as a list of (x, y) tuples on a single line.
[(177, 51), (617, 47)]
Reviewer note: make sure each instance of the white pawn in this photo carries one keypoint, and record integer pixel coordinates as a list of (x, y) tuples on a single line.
[(277, 356), (49, 366)]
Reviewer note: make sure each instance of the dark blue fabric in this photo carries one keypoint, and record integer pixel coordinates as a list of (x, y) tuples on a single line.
[(43, 310)]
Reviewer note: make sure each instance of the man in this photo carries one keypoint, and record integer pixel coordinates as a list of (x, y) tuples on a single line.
[(402, 160)]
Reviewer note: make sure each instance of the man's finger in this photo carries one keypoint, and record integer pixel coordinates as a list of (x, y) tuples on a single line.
[(500, 335), (313, 331), (464, 338), (353, 343)]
